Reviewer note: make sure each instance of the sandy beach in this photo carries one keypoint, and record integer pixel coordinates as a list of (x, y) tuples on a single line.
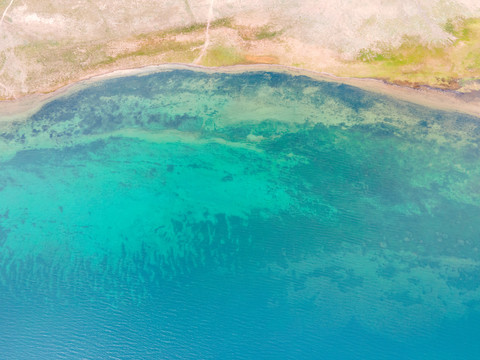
[(14, 110)]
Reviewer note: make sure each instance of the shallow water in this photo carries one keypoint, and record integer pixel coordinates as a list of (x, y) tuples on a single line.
[(256, 215)]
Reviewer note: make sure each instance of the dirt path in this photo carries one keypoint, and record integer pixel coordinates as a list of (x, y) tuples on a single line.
[(5, 11), (207, 34)]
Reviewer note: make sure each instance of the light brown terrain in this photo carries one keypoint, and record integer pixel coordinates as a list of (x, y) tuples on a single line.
[(46, 44)]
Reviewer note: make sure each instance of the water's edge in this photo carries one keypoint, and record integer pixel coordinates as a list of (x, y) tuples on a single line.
[(13, 110)]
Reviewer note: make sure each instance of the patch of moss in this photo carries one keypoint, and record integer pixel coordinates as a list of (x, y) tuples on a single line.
[(58, 54), (174, 51), (158, 47), (222, 55), (267, 33), (223, 22), (449, 27), (182, 57), (171, 32), (185, 29), (368, 55)]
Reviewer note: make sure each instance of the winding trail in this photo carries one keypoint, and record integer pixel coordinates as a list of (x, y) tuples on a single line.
[(207, 34), (5, 11)]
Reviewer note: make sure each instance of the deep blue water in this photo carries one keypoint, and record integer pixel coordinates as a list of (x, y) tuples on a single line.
[(184, 215)]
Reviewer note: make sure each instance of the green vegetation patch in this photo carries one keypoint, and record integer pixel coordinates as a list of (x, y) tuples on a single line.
[(415, 62), (192, 28), (184, 29), (222, 55), (266, 32), (223, 22), (51, 53), (412, 51), (163, 46)]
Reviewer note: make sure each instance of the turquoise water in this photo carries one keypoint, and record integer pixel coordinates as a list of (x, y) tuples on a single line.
[(238, 216)]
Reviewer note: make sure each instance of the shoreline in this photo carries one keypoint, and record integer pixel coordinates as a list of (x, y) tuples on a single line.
[(445, 100)]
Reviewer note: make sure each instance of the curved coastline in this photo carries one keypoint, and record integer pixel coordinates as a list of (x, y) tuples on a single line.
[(14, 110)]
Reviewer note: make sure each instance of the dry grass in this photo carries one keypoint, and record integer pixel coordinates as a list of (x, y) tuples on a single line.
[(413, 63)]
